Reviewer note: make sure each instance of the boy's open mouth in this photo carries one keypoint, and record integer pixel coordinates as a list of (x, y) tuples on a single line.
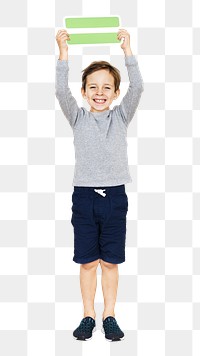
[(100, 101)]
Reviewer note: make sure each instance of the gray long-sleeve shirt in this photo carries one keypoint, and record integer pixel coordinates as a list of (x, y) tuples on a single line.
[(100, 139)]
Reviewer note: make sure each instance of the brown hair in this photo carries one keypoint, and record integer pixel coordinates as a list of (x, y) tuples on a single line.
[(98, 65)]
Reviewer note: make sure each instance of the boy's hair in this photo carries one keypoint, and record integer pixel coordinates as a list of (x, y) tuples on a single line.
[(98, 65)]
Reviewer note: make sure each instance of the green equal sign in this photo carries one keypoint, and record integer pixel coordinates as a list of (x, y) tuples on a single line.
[(82, 23)]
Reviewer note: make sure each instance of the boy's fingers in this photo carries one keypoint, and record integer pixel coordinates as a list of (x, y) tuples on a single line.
[(60, 32), (122, 36), (123, 32), (62, 36)]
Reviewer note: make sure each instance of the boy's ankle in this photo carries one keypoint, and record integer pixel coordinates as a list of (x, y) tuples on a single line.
[(92, 315), (105, 315)]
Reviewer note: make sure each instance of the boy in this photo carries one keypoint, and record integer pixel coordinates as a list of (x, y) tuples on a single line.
[(100, 203)]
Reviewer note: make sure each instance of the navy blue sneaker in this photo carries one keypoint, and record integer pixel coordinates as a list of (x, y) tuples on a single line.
[(85, 329), (112, 330)]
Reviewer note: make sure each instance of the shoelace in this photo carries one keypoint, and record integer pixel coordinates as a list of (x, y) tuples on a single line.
[(86, 325), (111, 326)]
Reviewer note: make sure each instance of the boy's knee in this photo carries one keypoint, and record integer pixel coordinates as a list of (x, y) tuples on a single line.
[(90, 265), (108, 265)]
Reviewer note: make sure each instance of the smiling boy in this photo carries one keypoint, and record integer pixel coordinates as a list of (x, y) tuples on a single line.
[(100, 85), (100, 202)]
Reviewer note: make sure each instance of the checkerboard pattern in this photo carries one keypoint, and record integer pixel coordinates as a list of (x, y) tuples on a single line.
[(158, 304)]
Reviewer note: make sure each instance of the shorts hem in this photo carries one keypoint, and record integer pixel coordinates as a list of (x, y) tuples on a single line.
[(111, 260), (85, 260)]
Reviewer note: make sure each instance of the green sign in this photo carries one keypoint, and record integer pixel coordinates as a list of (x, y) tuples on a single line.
[(83, 37)]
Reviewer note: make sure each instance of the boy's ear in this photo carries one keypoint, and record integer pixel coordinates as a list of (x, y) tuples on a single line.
[(117, 94), (83, 93)]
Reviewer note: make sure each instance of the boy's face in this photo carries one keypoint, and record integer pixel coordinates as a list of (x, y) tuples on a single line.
[(100, 90)]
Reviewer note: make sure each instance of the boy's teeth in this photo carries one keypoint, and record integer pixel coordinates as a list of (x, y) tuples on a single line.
[(99, 100)]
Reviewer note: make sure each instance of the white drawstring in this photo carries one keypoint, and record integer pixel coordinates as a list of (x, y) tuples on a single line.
[(101, 192)]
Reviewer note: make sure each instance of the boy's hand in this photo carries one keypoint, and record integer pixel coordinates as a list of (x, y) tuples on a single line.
[(61, 38), (123, 34)]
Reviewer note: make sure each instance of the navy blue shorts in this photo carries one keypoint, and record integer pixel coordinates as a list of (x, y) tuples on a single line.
[(99, 222)]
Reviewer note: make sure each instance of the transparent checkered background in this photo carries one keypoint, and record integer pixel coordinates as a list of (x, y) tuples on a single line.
[(158, 303)]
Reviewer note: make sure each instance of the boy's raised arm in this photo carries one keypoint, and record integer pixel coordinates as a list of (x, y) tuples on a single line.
[(67, 102), (131, 99)]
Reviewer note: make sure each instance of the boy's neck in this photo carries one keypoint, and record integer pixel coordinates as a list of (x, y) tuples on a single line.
[(99, 111)]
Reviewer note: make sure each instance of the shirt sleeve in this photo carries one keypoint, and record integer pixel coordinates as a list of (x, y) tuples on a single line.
[(63, 93), (131, 99)]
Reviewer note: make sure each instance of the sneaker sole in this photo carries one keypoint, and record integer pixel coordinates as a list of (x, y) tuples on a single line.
[(119, 339), (76, 338)]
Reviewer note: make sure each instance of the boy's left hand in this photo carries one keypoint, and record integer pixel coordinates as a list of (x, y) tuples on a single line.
[(123, 34)]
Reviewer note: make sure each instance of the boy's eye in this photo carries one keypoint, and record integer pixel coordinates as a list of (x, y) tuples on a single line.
[(107, 87), (92, 87)]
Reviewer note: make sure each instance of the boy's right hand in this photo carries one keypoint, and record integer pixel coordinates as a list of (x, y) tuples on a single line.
[(62, 37)]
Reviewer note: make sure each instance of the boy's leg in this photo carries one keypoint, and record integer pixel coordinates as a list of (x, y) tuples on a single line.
[(110, 277), (88, 282)]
